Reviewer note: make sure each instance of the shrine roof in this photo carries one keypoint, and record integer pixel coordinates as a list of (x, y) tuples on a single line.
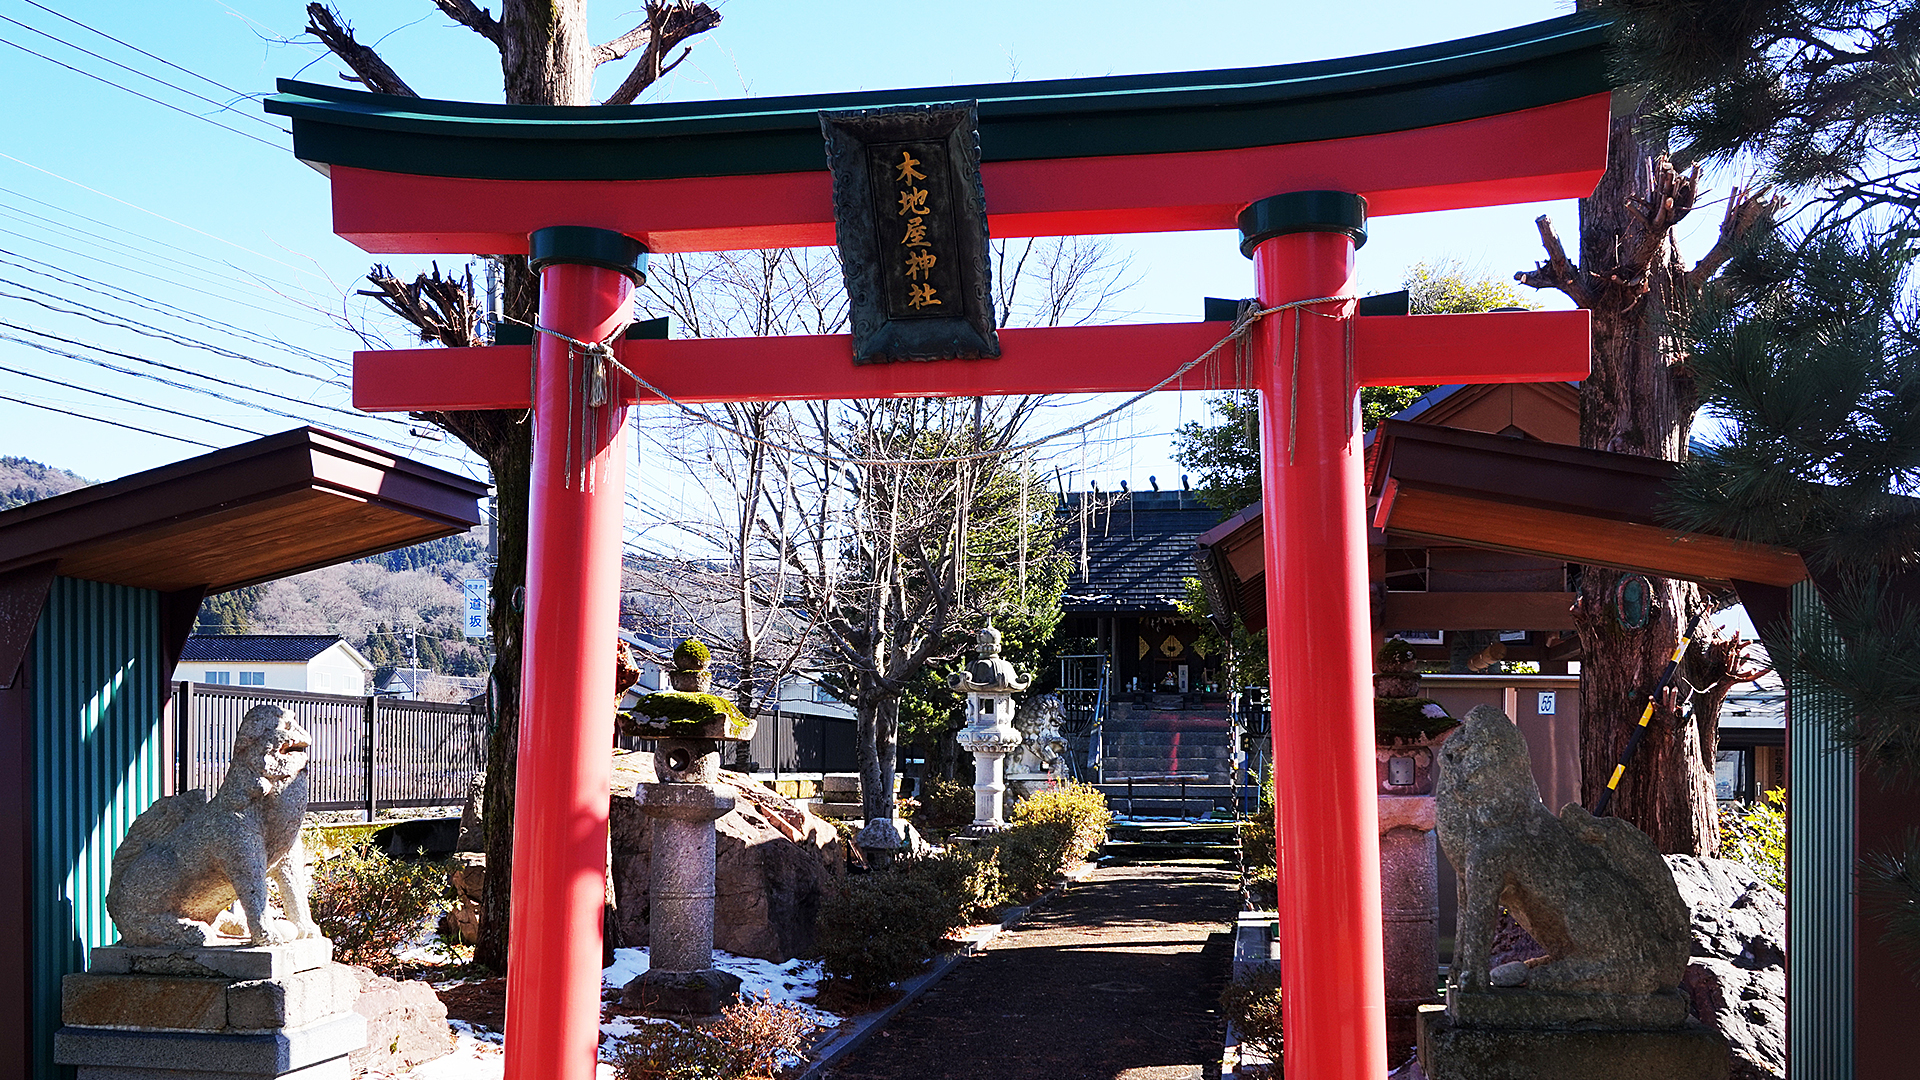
[(1524, 67), (1140, 550)]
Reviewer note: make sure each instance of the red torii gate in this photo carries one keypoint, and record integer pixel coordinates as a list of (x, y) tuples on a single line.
[(1296, 156)]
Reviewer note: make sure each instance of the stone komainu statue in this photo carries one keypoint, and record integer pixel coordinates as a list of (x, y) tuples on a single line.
[(1594, 892), (188, 857)]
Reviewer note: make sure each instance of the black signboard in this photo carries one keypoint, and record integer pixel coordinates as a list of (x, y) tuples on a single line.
[(911, 219)]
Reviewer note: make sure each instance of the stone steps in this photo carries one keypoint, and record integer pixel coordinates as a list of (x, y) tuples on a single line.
[(1195, 843)]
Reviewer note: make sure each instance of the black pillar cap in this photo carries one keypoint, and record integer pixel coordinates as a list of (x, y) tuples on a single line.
[(588, 246), (1303, 211)]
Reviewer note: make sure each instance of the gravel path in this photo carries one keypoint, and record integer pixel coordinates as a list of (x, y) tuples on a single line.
[(1117, 979)]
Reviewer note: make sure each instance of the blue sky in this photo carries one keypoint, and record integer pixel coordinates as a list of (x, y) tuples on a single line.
[(142, 228)]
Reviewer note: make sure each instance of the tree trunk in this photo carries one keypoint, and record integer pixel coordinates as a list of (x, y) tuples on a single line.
[(545, 55), (879, 733), (1636, 402)]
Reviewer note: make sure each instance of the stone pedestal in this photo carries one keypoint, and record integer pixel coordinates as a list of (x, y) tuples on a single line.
[(680, 979), (211, 1013), (1450, 1050), (1409, 889)]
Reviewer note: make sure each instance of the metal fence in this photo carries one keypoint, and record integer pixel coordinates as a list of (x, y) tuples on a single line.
[(367, 752)]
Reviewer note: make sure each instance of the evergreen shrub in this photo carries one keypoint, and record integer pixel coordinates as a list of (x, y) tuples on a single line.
[(1251, 1004), (1077, 810), (371, 906), (944, 804), (880, 927), (752, 1039)]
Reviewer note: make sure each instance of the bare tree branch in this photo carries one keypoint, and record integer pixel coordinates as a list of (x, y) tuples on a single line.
[(622, 45), (1747, 211), (1558, 272), (371, 71), (669, 22), (477, 19)]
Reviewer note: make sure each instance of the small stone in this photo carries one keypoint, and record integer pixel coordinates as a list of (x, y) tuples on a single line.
[(406, 1023)]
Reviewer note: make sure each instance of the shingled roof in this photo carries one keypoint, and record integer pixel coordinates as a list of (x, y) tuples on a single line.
[(1140, 549), (257, 648)]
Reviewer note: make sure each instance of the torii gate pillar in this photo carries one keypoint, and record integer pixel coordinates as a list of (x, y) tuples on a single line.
[(1326, 829), (577, 500)]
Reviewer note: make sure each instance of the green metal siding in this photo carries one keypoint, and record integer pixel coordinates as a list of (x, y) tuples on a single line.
[(1820, 843), (97, 705)]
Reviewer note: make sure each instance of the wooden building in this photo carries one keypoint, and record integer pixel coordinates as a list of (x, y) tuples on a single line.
[(99, 588)]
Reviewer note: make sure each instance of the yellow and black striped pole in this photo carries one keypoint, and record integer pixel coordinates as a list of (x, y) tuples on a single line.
[(1646, 715)]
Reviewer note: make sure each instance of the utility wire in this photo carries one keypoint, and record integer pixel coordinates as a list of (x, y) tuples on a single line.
[(107, 318), (138, 49), (130, 401), (122, 231), (121, 290), (81, 281), (165, 218), (138, 94), (202, 390), (155, 78), (356, 414), (104, 420)]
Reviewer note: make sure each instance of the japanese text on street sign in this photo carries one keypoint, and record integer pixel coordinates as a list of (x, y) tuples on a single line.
[(476, 614)]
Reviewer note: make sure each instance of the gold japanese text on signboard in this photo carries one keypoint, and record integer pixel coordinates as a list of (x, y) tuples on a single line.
[(910, 216)]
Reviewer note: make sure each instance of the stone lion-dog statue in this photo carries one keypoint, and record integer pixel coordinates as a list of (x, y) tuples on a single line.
[(187, 858), (1594, 892)]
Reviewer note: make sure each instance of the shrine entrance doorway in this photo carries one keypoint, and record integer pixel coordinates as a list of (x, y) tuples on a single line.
[(1297, 157)]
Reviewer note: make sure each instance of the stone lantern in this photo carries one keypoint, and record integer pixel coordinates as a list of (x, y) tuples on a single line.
[(688, 726), (990, 735)]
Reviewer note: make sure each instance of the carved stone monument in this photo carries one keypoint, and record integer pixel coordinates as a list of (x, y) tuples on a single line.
[(1605, 1000), (687, 726), (989, 736), (177, 996)]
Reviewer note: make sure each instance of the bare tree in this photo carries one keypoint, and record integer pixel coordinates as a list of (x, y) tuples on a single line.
[(546, 58), (876, 555)]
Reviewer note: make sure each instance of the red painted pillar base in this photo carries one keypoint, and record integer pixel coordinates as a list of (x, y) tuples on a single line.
[(566, 710), (1326, 814)]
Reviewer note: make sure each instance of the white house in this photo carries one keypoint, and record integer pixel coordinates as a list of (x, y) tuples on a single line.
[(317, 663)]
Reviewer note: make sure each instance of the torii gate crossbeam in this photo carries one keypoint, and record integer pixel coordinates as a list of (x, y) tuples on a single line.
[(1292, 155)]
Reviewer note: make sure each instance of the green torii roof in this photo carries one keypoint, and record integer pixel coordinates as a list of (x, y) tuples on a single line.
[(1503, 72)]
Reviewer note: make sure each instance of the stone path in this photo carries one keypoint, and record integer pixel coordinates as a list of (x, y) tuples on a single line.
[(1117, 979)]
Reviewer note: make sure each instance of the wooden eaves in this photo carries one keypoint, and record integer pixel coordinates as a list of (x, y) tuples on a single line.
[(262, 510)]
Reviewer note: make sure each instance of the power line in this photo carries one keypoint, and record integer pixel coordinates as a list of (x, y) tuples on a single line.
[(104, 420), (356, 414), (138, 49), (128, 401), (165, 218), (223, 298), (107, 318), (119, 232), (202, 390), (138, 94), (68, 277), (142, 74)]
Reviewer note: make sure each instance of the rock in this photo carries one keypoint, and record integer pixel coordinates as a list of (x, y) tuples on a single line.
[(406, 1024), (774, 865), (1737, 977)]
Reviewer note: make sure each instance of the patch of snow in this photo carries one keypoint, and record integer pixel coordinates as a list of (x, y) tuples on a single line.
[(794, 982)]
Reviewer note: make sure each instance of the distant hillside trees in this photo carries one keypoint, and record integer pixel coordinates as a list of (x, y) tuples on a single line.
[(23, 480)]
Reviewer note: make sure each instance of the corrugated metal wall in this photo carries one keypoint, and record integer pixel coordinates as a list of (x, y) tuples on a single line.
[(98, 675), (1820, 856)]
